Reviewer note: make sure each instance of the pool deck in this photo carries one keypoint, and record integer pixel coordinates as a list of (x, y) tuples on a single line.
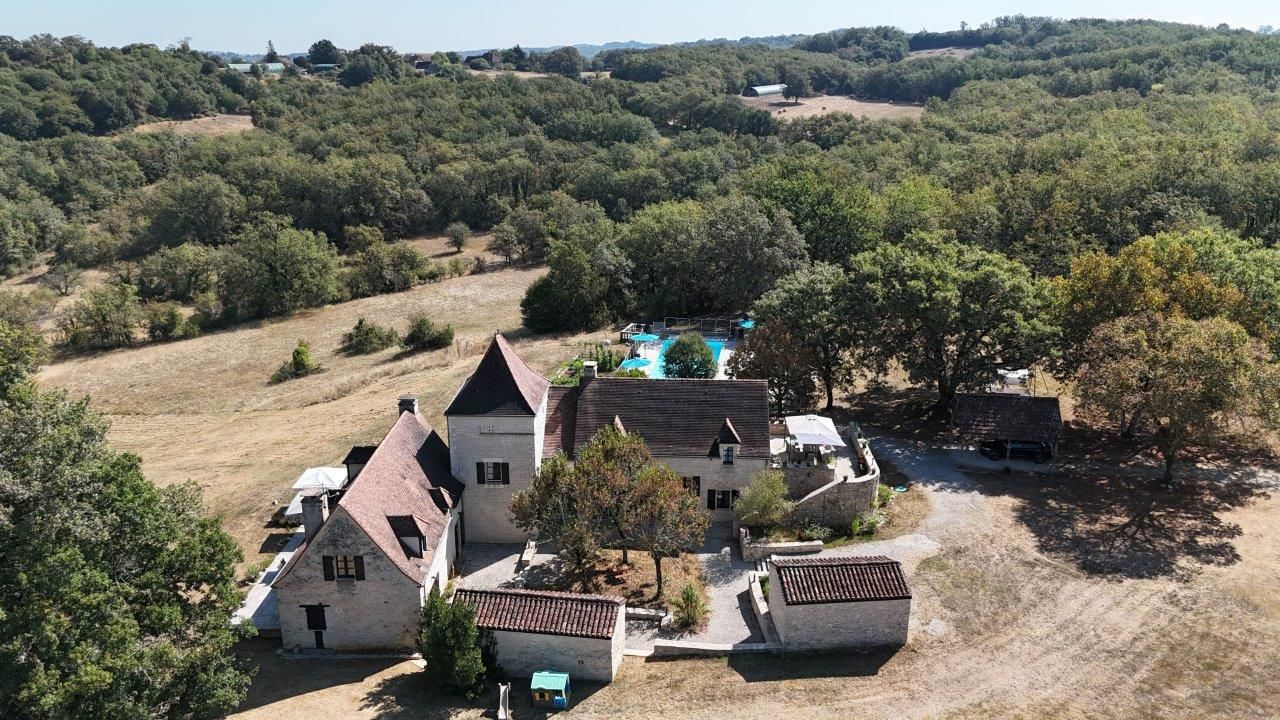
[(651, 351)]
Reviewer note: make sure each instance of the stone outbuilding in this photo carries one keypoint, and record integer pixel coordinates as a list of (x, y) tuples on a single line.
[(834, 603), (582, 635)]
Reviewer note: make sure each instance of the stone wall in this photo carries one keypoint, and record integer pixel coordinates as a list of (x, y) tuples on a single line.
[(522, 654), (516, 440), (377, 613), (757, 550), (840, 625), (802, 480), (837, 504), (715, 475)]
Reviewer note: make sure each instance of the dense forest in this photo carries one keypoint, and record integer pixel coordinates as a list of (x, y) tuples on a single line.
[(654, 189)]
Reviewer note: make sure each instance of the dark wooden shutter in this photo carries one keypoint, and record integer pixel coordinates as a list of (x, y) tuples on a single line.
[(479, 473), (328, 567), (711, 499), (506, 473), (359, 567)]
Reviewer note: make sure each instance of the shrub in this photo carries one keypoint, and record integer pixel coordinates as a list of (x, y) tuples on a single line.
[(389, 267), (457, 267), (630, 373), (688, 609), (367, 337), (63, 278), (178, 273), (884, 495), (689, 357), (478, 266), (606, 358), (358, 238), (165, 321), (300, 364), (763, 503), (866, 524), (86, 247), (451, 645), (424, 335), (813, 530), (458, 234), (103, 318)]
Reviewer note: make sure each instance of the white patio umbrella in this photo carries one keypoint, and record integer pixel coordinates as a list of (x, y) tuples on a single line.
[(813, 430), (327, 478)]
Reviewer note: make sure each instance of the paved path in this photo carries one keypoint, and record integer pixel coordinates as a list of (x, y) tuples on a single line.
[(260, 603), (731, 619)]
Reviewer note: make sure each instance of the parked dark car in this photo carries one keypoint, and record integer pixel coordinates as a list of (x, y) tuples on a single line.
[(996, 449)]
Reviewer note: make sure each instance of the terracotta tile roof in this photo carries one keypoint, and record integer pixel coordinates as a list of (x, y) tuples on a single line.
[(676, 418), (562, 412), (815, 580), (501, 385), (546, 613), (407, 476), (1007, 416)]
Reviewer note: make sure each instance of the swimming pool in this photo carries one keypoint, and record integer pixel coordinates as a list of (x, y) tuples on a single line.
[(655, 370)]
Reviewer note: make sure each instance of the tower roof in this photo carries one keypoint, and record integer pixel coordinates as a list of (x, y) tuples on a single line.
[(501, 385)]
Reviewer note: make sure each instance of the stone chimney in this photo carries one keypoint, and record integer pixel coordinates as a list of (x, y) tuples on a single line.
[(589, 372), (408, 403), (315, 510)]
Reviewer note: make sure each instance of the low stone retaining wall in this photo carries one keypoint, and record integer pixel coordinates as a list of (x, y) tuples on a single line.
[(526, 557), (679, 648), (647, 614), (760, 607), (757, 551)]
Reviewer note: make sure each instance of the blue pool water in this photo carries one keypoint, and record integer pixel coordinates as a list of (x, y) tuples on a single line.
[(655, 370)]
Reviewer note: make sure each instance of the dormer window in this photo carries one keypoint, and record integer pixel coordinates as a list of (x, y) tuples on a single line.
[(728, 452)]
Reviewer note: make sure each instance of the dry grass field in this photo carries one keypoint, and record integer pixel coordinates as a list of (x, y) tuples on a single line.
[(955, 52), (826, 104), (202, 126), (202, 410)]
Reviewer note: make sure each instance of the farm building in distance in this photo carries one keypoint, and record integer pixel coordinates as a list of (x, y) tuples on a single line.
[(839, 602), (763, 90), (536, 630)]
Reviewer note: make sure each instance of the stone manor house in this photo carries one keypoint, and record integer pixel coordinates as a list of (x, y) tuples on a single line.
[(393, 532)]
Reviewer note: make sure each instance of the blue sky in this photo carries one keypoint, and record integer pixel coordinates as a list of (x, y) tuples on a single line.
[(246, 25)]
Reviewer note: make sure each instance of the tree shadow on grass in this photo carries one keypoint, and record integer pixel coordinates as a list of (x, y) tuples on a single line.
[(1129, 525)]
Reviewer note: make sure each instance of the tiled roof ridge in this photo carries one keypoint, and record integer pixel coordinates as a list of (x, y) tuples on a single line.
[(557, 594)]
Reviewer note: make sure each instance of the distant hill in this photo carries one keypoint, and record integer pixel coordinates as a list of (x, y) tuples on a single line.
[(587, 50)]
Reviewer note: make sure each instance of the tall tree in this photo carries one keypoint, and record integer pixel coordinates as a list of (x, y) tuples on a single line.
[(1190, 377), (552, 508), (324, 52), (773, 352), (608, 471), (689, 356), (949, 314), (120, 595), (746, 249), (672, 520), (566, 61), (812, 304)]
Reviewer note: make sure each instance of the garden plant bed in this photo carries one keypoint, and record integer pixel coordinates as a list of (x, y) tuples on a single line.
[(637, 582)]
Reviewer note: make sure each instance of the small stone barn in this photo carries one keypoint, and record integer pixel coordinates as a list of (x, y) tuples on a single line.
[(831, 603), (980, 417), (582, 635)]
